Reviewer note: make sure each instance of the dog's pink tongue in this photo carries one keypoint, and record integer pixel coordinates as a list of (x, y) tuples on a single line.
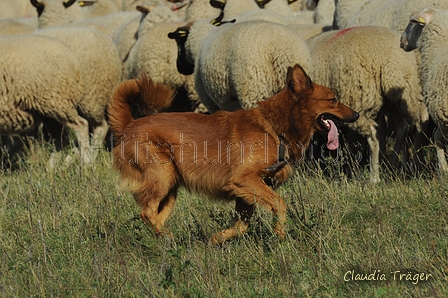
[(333, 141)]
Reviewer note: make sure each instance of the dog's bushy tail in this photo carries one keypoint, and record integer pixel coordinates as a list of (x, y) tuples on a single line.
[(134, 99)]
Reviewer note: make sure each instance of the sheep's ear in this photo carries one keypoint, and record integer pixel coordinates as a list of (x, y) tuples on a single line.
[(220, 4), (142, 9), (69, 3), (39, 6), (217, 21), (86, 3), (423, 17), (176, 7), (181, 32), (297, 80)]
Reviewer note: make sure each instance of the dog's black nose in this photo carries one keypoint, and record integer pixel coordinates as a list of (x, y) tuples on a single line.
[(356, 115)]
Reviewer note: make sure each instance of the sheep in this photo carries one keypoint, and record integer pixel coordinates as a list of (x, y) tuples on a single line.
[(298, 5), (237, 65), (108, 24), (155, 54), (28, 91), (122, 27), (373, 82), (324, 12), (130, 5), (11, 26), (16, 9), (89, 13), (232, 8), (427, 33), (304, 27), (126, 35), (100, 67), (392, 14), (272, 16), (201, 9), (57, 12), (98, 8)]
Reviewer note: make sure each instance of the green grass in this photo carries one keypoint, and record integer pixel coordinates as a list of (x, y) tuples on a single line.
[(71, 232)]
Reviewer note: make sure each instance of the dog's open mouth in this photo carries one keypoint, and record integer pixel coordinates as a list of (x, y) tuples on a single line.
[(328, 126)]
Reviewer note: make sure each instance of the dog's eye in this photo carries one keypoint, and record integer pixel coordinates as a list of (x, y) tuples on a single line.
[(334, 100)]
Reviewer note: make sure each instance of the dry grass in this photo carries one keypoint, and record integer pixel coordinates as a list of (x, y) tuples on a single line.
[(71, 232)]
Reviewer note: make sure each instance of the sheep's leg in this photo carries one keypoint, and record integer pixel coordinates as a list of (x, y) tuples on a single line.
[(439, 140), (98, 136), (400, 137), (81, 128), (374, 147), (243, 213)]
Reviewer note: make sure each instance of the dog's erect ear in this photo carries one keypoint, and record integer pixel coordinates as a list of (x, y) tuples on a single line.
[(297, 80)]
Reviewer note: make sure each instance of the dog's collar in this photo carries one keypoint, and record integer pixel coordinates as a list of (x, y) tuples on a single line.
[(281, 161)]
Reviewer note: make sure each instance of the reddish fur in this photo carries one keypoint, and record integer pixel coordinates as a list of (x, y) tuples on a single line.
[(242, 143)]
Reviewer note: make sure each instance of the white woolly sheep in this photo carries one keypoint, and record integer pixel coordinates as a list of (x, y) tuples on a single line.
[(130, 5), (96, 8), (108, 24), (324, 12), (304, 27), (123, 27), (100, 67), (11, 26), (233, 8), (57, 12), (392, 14), (16, 9), (428, 32), (28, 93), (156, 55), (372, 82), (237, 65), (201, 9), (126, 35), (272, 16)]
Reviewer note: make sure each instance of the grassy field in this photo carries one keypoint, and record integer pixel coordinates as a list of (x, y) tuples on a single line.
[(71, 232)]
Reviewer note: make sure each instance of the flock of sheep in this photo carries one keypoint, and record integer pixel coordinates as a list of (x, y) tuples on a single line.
[(62, 59)]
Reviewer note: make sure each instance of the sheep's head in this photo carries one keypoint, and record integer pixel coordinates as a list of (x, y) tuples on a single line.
[(417, 24), (41, 5), (413, 31), (184, 66), (147, 7)]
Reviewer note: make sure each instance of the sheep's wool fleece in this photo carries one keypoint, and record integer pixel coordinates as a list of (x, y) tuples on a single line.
[(363, 77)]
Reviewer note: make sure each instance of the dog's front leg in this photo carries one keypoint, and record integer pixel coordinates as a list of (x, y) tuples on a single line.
[(243, 213), (251, 194)]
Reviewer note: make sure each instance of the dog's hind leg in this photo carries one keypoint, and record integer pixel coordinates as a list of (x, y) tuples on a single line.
[(157, 199), (243, 213)]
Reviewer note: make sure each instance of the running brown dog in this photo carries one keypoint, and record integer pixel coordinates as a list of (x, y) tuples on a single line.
[(239, 155)]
